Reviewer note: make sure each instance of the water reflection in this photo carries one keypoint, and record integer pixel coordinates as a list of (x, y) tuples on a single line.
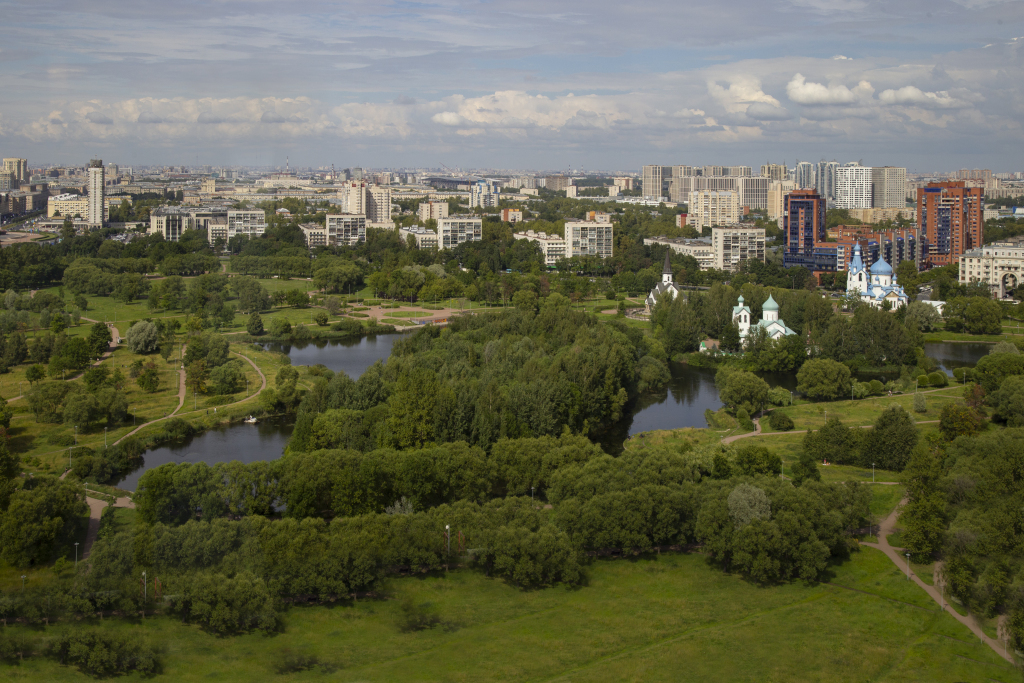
[(351, 356), (243, 442), (952, 355)]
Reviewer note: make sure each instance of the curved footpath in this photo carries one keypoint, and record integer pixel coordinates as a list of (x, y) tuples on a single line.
[(900, 561), (757, 431)]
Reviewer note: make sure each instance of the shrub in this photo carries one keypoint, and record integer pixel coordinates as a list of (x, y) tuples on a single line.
[(938, 379), (876, 387), (920, 404), (779, 421), (758, 460), (321, 318), (101, 654), (143, 337), (742, 415)]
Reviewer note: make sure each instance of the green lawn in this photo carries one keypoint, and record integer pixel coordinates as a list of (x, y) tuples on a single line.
[(810, 415), (659, 618)]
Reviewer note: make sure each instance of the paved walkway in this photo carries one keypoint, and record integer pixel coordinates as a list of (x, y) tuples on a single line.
[(757, 431), (900, 561)]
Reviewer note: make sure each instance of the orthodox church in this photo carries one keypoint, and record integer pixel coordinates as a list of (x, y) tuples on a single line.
[(875, 285), (770, 321), (664, 288)]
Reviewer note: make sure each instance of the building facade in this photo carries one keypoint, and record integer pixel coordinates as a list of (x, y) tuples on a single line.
[(589, 238), (552, 246), (423, 237), (753, 191), (481, 195), (875, 285), (734, 245), (511, 215), (17, 168), (777, 192), (888, 187), (345, 229), (949, 215), (314, 233), (805, 175), (557, 183), (378, 206), (1000, 265), (803, 227), (454, 230), (251, 222), (97, 188), (707, 208), (169, 221), (853, 187), (432, 211), (700, 249)]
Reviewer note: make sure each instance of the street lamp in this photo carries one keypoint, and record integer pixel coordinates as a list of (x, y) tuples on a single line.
[(104, 437), (22, 583), (76, 555), (872, 473), (908, 566), (76, 435), (145, 592)]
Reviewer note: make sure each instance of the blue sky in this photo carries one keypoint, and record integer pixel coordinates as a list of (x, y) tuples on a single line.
[(530, 84)]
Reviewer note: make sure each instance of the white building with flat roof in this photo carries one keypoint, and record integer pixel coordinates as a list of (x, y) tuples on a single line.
[(251, 222), (700, 249), (432, 211), (424, 238), (345, 229), (454, 230), (708, 207), (552, 246), (735, 244), (853, 187), (589, 238), (314, 233), (97, 214)]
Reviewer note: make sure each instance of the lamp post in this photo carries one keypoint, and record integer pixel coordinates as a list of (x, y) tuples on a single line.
[(908, 566), (104, 437), (872, 473), (22, 583), (145, 591), (76, 555), (76, 435)]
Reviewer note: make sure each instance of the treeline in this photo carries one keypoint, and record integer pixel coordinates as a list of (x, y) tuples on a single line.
[(512, 374)]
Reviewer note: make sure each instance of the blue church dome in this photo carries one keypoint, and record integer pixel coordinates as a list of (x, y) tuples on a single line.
[(880, 267)]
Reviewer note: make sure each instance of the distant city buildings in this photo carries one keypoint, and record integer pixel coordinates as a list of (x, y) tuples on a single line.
[(483, 196), (707, 208), (734, 245), (345, 230), (853, 187), (432, 211), (422, 237), (18, 168), (511, 215), (804, 228), (557, 183), (592, 237), (552, 246), (315, 234), (97, 212), (700, 248)]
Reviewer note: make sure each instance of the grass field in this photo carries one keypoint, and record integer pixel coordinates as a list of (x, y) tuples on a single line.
[(658, 618)]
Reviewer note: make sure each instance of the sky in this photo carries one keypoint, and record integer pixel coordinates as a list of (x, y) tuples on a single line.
[(928, 84)]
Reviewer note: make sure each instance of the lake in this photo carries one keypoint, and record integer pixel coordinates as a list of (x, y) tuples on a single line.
[(681, 403)]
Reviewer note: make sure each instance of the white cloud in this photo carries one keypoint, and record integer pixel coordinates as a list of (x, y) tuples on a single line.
[(742, 91), (909, 95), (761, 111), (840, 58), (801, 91)]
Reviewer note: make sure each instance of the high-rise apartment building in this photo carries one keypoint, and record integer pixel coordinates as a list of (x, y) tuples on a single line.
[(18, 168), (888, 187), (775, 171), (655, 181), (777, 192), (378, 206), (949, 216), (805, 175), (96, 186), (753, 191), (976, 174), (353, 197), (346, 229), (480, 195), (853, 187), (8, 182), (709, 207), (432, 211), (552, 246), (734, 245), (803, 227), (825, 179), (251, 222), (557, 183), (454, 230), (589, 238)]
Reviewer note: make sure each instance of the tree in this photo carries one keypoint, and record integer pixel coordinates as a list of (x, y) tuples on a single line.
[(196, 374), (892, 439), (729, 339), (957, 419), (741, 390), (833, 443), (321, 318), (226, 379), (148, 378), (35, 373), (37, 517), (923, 518), (923, 316), (280, 327), (974, 315), (747, 503), (806, 469), (81, 410), (1008, 400), (758, 460), (143, 337), (99, 338), (255, 325), (824, 379)]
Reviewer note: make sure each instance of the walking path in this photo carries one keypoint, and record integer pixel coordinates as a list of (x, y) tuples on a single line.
[(885, 529), (757, 431)]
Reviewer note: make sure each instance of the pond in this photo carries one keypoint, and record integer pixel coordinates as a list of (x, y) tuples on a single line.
[(681, 403), (351, 356)]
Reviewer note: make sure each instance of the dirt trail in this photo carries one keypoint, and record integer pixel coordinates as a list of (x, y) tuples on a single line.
[(181, 402), (900, 561)]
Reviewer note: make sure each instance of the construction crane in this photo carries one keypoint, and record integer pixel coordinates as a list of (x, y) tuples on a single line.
[(449, 170)]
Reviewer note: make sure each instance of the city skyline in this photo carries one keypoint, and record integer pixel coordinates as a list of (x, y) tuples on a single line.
[(542, 86)]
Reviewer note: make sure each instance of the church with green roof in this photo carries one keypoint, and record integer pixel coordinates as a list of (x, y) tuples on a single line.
[(770, 320)]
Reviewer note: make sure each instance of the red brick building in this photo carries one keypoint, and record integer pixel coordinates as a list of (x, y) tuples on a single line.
[(949, 216)]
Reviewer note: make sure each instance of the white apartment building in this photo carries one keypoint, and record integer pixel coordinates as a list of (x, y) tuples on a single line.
[(425, 239), (432, 211), (96, 186), (454, 230), (853, 187), (700, 249), (708, 208), (352, 196), (217, 228), (622, 184), (552, 246), (346, 229), (775, 171), (378, 207), (315, 234), (8, 182), (777, 192), (805, 175), (1000, 265), (733, 245), (753, 191), (889, 187), (589, 238), (251, 222), (825, 179), (482, 195)]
